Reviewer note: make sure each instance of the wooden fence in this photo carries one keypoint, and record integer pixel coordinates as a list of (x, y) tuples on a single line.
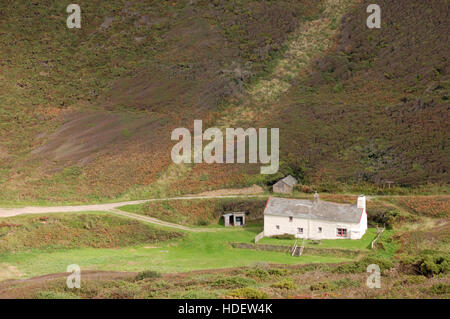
[(379, 231), (259, 237)]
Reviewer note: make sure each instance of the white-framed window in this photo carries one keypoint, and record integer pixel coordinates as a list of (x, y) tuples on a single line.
[(277, 226), (299, 230), (319, 230), (291, 219), (341, 232)]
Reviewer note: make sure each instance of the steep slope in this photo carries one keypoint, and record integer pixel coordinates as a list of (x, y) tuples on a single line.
[(374, 108), (377, 108), (87, 114)]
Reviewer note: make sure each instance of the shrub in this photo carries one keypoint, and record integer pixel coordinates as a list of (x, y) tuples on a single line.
[(233, 282), (196, 294), (277, 272), (203, 222), (46, 294), (258, 273), (383, 217), (285, 284), (284, 236), (120, 289), (147, 274), (361, 265), (440, 289), (248, 293), (319, 286), (411, 280), (335, 284), (346, 283), (431, 265)]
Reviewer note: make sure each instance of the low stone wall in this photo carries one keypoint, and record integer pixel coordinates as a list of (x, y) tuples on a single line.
[(261, 247), (337, 252)]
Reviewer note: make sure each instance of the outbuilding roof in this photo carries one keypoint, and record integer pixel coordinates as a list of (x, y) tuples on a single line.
[(289, 180), (307, 209)]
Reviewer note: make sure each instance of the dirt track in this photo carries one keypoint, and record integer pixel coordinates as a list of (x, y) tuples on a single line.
[(114, 208)]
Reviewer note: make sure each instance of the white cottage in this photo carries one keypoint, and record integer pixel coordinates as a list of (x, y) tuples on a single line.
[(315, 219)]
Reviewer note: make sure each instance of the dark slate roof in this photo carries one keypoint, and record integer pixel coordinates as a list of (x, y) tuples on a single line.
[(307, 209), (289, 180)]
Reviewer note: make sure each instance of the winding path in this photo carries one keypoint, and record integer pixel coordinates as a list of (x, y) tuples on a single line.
[(114, 208)]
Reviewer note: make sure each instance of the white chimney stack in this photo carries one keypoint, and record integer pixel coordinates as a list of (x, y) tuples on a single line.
[(361, 203)]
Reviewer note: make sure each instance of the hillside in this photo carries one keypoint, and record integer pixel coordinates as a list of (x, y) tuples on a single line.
[(86, 114), (373, 108)]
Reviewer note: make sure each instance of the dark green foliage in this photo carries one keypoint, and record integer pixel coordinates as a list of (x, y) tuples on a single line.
[(335, 284), (277, 271), (431, 264), (382, 217), (258, 273), (440, 289), (233, 282), (252, 207), (147, 274), (319, 286), (286, 284), (248, 293), (284, 236), (361, 265), (203, 222)]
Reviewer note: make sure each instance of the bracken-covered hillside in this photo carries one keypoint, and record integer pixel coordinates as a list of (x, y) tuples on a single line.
[(86, 114)]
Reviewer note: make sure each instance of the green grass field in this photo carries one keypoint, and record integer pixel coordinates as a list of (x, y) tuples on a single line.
[(195, 251)]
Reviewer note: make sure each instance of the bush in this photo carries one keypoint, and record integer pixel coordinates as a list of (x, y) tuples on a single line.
[(248, 293), (383, 217), (147, 274), (45, 294), (277, 272), (361, 266), (432, 265), (440, 289), (411, 280), (233, 282), (203, 222), (284, 236), (120, 289), (258, 273), (319, 286), (346, 283), (336, 284), (285, 284)]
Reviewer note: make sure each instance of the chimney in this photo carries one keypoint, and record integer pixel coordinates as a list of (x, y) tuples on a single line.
[(361, 203), (316, 198)]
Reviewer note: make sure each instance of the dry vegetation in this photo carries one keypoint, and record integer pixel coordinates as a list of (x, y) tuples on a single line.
[(85, 230), (102, 101), (261, 281), (200, 212)]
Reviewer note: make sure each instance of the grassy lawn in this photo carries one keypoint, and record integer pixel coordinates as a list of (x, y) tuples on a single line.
[(194, 252), (363, 243)]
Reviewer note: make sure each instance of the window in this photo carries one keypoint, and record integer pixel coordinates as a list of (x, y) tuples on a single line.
[(277, 226), (291, 219), (342, 232), (320, 229), (300, 230)]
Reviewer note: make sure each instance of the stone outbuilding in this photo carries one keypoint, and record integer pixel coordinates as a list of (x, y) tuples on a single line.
[(234, 219), (285, 185)]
